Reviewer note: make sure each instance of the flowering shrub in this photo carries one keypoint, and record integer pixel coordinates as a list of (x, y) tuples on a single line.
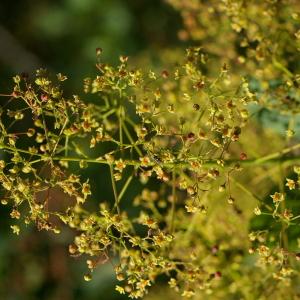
[(187, 135)]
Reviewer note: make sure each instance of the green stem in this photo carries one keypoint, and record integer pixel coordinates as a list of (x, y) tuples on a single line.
[(297, 217), (243, 188), (60, 135), (125, 187), (282, 68), (139, 152), (66, 145), (283, 233), (270, 159), (173, 201), (120, 115), (113, 183), (276, 155)]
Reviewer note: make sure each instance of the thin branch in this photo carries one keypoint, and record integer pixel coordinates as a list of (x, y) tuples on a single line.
[(270, 159)]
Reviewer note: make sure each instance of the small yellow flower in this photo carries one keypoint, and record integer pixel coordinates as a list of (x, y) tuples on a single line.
[(290, 184), (120, 165), (257, 211), (120, 289), (188, 294), (86, 189), (190, 208), (145, 161), (277, 197), (15, 229), (2, 164)]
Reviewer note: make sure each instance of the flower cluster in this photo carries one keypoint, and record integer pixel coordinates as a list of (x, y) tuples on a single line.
[(180, 135)]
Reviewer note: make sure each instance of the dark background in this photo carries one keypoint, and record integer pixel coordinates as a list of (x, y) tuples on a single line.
[(63, 35)]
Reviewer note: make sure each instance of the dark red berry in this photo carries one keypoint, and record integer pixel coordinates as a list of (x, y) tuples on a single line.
[(243, 156), (44, 97), (214, 249), (191, 136), (165, 74)]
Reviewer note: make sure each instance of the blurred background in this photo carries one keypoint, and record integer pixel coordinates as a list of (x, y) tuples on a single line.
[(62, 36)]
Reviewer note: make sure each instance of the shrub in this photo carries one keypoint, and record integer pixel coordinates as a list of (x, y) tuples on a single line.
[(208, 215)]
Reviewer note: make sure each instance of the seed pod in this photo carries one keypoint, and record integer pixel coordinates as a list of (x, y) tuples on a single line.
[(165, 74), (72, 249), (191, 137), (230, 200), (191, 190), (120, 276), (87, 277), (98, 51), (243, 156), (196, 106)]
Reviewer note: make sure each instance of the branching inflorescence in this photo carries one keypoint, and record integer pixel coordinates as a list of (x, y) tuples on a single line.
[(178, 128)]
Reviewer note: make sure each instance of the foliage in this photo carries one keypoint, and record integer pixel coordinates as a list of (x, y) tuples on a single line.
[(213, 215)]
